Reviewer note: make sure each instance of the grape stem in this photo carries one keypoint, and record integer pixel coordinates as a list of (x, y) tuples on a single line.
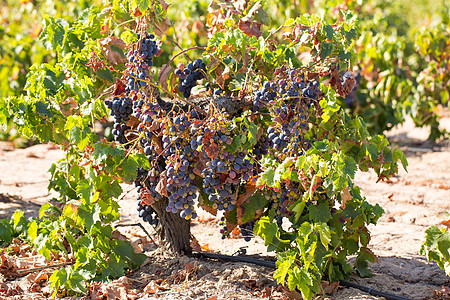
[(172, 94), (184, 51), (173, 41)]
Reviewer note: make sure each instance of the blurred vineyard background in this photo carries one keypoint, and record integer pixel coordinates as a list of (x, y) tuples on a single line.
[(403, 46)]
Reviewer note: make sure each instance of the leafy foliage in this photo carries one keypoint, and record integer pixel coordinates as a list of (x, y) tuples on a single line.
[(274, 147), (436, 247)]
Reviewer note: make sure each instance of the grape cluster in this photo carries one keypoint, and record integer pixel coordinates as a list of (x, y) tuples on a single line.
[(290, 111), (261, 147), (149, 49), (188, 76), (182, 189), (140, 60), (224, 171), (265, 96), (247, 230), (280, 200), (223, 228), (180, 177), (121, 110), (146, 212)]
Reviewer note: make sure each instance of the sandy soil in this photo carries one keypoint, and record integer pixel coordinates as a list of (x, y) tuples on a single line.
[(413, 201)]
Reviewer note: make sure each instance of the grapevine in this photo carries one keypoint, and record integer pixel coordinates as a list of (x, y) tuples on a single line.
[(248, 132)]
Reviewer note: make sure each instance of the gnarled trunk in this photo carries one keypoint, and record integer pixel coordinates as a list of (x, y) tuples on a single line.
[(172, 229)]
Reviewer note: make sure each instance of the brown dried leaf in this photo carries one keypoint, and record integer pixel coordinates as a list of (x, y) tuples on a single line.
[(345, 196), (195, 245), (158, 143), (67, 106), (117, 289), (161, 28), (113, 56), (208, 208), (161, 187), (219, 78), (329, 288), (133, 122), (151, 288), (446, 224), (251, 284), (164, 73)]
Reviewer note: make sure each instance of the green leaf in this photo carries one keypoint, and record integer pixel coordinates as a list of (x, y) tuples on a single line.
[(105, 74), (85, 188), (283, 266), (129, 167), (125, 251), (143, 5), (253, 204), (324, 234), (89, 218), (444, 246), (268, 177), (235, 144), (320, 213), (266, 229), (329, 31), (326, 49), (252, 133), (350, 166), (298, 210), (33, 230), (58, 280), (76, 282)]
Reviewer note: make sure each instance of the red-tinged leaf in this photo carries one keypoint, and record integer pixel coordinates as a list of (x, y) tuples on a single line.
[(164, 5), (117, 289), (250, 28), (446, 224), (137, 12), (119, 89), (195, 245), (151, 288), (329, 288)]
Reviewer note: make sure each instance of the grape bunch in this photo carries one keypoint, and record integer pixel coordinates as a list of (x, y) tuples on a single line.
[(146, 112), (140, 59), (225, 171), (188, 76), (181, 188), (280, 200), (223, 228), (149, 48), (146, 212), (247, 230), (121, 110), (180, 177), (290, 111), (265, 96)]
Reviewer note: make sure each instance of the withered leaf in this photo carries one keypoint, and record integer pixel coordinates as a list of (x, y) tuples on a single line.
[(161, 187)]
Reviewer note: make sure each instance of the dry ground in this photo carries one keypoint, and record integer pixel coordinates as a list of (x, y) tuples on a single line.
[(413, 201)]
